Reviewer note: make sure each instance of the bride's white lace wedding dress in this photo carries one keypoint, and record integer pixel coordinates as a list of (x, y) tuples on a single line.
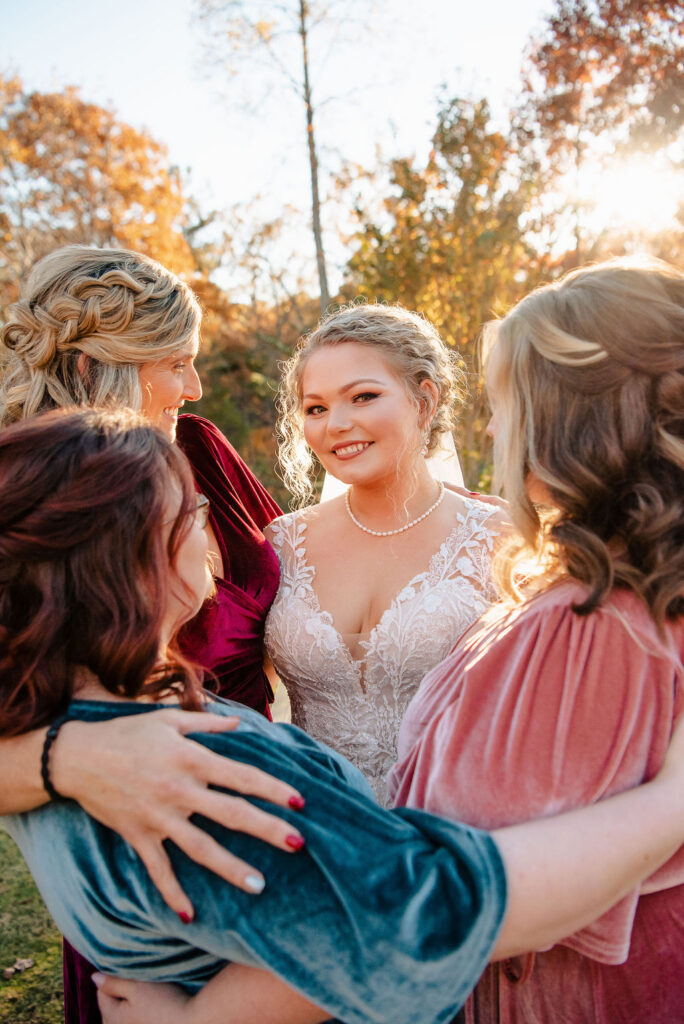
[(356, 705)]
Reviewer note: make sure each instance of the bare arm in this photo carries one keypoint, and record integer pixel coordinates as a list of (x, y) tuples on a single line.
[(22, 787), (141, 777), (564, 872), (237, 995)]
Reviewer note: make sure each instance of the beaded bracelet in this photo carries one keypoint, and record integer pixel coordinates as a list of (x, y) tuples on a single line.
[(45, 756)]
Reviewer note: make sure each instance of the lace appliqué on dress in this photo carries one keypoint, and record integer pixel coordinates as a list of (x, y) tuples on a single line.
[(356, 706)]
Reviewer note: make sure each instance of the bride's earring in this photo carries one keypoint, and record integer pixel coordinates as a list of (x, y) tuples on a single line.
[(426, 443)]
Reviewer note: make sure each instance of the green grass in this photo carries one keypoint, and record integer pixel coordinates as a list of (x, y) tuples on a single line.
[(27, 932)]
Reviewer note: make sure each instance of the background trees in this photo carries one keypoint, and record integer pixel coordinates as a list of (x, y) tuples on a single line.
[(71, 172), (487, 211), (447, 238), (275, 38), (603, 84)]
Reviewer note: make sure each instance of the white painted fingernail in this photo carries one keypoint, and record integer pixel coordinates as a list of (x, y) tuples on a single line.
[(255, 883)]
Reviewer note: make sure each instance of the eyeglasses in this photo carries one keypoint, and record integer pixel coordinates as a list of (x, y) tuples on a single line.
[(201, 512)]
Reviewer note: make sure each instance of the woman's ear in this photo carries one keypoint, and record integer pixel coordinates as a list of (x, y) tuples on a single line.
[(82, 364), (428, 401)]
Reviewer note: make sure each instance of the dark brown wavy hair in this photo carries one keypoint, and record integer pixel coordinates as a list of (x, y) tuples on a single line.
[(84, 570), (587, 384)]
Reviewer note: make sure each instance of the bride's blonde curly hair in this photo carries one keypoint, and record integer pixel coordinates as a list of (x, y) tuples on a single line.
[(409, 343), (586, 379), (88, 318)]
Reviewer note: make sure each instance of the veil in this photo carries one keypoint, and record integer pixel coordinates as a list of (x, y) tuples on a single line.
[(443, 465)]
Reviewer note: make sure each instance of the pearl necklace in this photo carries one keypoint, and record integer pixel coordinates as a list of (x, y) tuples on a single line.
[(402, 529)]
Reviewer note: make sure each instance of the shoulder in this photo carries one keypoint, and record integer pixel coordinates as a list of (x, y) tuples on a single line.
[(619, 634), (481, 512), (311, 516), (290, 524)]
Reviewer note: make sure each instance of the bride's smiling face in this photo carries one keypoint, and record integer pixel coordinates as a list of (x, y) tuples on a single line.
[(359, 418)]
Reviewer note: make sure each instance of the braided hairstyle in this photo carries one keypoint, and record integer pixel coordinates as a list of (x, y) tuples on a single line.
[(586, 379), (88, 319)]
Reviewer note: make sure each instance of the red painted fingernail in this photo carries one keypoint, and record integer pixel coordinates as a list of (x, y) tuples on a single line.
[(296, 803), (295, 842), (185, 918)]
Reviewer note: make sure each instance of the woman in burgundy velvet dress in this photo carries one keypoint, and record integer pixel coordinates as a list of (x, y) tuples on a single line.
[(114, 328)]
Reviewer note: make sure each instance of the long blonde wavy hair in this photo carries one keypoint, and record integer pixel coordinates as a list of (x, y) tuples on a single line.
[(87, 320), (409, 343), (586, 378)]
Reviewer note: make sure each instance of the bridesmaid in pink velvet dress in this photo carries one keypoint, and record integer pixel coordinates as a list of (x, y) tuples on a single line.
[(110, 327), (568, 696)]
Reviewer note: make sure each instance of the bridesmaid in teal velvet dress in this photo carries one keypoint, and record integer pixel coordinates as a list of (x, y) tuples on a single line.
[(111, 327)]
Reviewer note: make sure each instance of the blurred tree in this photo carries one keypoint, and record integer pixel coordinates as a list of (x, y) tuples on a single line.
[(449, 241), (71, 172), (274, 37), (604, 65), (252, 320), (605, 76)]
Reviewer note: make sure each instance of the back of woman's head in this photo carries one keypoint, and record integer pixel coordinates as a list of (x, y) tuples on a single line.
[(87, 319), (410, 345), (587, 385), (84, 568)]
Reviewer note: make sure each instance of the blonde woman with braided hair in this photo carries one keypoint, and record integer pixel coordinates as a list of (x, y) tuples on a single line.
[(377, 583), (88, 321), (568, 693), (114, 328)]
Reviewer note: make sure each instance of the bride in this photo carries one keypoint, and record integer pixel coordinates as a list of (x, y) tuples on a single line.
[(378, 583)]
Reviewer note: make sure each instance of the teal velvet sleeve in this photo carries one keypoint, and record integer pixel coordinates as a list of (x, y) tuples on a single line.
[(384, 916)]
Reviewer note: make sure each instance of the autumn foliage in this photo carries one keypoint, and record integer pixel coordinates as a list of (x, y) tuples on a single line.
[(458, 234)]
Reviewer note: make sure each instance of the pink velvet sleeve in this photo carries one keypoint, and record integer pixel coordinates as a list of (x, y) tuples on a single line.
[(559, 712)]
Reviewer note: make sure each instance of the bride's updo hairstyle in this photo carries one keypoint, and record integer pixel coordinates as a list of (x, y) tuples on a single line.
[(84, 566), (87, 320), (410, 345), (586, 380)]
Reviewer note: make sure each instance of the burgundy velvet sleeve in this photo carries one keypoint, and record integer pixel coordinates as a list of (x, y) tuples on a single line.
[(213, 459), (226, 637)]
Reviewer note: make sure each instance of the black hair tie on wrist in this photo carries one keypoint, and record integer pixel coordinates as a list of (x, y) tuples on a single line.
[(45, 756)]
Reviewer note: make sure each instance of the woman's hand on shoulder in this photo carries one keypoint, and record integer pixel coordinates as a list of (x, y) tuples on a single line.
[(487, 499), (141, 776), (501, 520)]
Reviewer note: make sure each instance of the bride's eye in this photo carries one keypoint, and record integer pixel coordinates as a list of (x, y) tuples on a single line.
[(314, 410), (365, 396)]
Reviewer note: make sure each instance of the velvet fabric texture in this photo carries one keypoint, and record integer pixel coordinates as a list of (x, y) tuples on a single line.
[(385, 916), (538, 711), (226, 637)]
